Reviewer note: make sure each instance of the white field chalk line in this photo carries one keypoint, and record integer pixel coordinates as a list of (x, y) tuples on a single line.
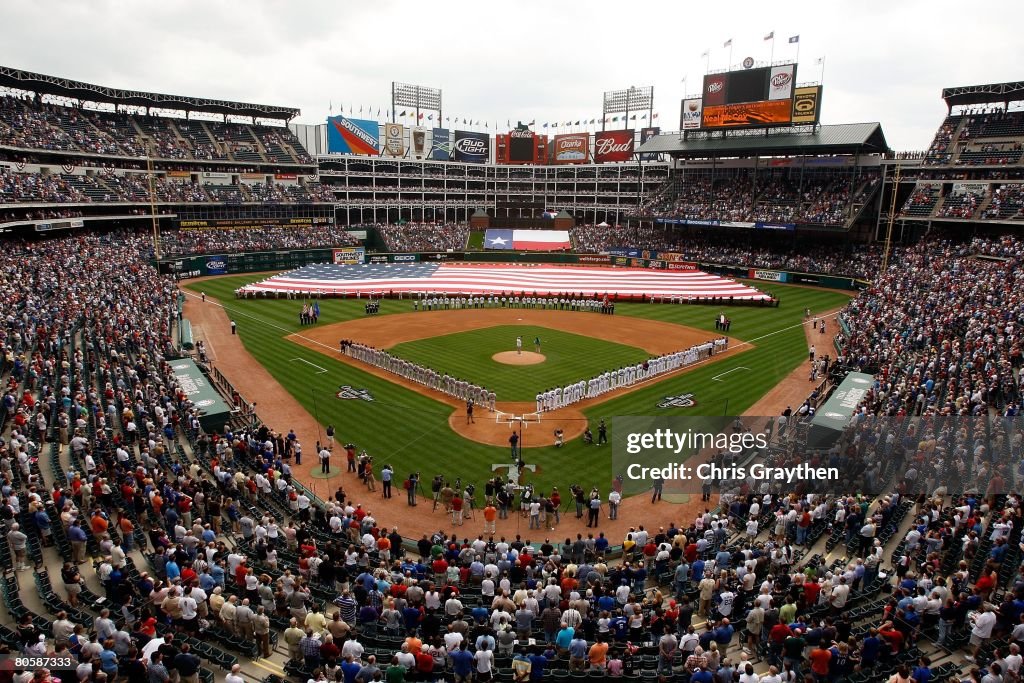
[(738, 367), (303, 360)]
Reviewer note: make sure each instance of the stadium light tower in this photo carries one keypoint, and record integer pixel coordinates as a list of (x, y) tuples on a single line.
[(416, 97), (632, 99)]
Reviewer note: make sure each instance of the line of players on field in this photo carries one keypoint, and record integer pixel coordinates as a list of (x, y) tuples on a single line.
[(629, 375), (459, 388), (554, 303)]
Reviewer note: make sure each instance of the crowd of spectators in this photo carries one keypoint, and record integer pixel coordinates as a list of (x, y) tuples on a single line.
[(36, 187), (30, 123), (774, 197), (108, 186), (204, 543), (424, 236), (732, 248), (186, 242), (939, 329)]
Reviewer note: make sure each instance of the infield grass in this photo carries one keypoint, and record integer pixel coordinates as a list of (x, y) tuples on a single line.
[(568, 358), (411, 431)]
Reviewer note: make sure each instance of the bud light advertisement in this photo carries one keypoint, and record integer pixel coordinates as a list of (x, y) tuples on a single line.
[(472, 148), (216, 265)]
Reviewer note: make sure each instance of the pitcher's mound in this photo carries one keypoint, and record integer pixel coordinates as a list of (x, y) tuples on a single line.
[(524, 358)]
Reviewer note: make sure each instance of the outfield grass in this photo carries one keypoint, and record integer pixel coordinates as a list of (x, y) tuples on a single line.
[(411, 431), (569, 358)]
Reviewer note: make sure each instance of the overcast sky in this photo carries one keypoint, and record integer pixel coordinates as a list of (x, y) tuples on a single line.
[(523, 60)]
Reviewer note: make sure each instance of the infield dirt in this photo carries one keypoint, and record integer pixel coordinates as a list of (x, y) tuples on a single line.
[(654, 336)]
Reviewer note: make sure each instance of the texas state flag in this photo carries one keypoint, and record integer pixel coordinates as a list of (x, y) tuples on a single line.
[(498, 239), (527, 240)]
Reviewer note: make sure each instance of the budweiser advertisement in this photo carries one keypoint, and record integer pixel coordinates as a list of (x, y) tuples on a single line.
[(571, 149), (613, 145)]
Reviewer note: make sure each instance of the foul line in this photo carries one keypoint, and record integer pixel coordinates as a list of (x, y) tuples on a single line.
[(739, 367), (303, 360)]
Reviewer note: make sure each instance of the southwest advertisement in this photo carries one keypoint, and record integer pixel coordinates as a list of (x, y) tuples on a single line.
[(352, 136)]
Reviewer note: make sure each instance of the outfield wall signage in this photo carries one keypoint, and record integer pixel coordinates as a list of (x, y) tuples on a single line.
[(593, 259), (681, 265), (216, 265), (769, 275), (404, 258), (349, 256)]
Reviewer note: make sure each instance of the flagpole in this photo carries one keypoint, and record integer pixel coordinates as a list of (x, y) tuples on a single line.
[(798, 49), (729, 65), (771, 58), (707, 61), (821, 78)]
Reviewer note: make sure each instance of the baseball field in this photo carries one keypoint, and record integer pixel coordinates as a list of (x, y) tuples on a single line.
[(417, 430)]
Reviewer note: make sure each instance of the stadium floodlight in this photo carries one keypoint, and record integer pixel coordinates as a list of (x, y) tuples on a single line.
[(624, 101), (416, 97)]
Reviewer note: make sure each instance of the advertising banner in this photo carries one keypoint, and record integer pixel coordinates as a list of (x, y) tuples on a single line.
[(440, 145), (521, 146), (249, 223), (472, 147), (966, 188), (352, 136), (613, 145), (216, 265), (747, 115), (781, 81), (680, 265), (404, 258), (715, 87), (645, 135), (807, 104), (689, 118), (419, 142), (594, 259), (182, 174), (286, 176), (770, 275), (394, 139), (570, 149), (349, 256)]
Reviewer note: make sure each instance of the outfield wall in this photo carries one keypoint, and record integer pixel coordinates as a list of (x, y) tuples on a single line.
[(263, 261)]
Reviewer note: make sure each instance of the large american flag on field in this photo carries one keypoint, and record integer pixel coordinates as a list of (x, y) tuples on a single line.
[(450, 278)]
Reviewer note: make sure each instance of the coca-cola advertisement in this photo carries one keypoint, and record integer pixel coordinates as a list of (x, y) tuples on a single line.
[(614, 145), (570, 149)]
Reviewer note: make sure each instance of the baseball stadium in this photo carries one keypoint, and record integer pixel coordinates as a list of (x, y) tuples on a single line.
[(405, 396)]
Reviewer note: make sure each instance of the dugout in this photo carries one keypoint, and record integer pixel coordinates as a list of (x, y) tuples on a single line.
[(831, 419), (214, 412)]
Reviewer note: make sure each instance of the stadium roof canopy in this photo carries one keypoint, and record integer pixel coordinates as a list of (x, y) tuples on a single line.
[(65, 87), (846, 138), (984, 94)]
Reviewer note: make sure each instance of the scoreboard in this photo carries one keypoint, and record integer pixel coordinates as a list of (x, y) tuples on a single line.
[(749, 98)]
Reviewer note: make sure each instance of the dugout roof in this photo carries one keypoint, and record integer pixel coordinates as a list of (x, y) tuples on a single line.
[(65, 87), (845, 138), (984, 94)]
